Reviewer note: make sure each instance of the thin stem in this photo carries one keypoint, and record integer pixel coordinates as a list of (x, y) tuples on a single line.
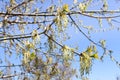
[(84, 33), (19, 37), (23, 22), (12, 65), (12, 75), (60, 44)]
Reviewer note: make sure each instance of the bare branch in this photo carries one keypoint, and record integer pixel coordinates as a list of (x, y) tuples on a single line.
[(70, 13), (102, 17), (56, 41), (101, 11), (85, 34), (18, 37), (12, 65), (12, 75), (23, 22), (61, 45), (28, 14)]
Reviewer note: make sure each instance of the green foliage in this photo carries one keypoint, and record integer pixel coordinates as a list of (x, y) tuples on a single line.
[(95, 56), (85, 64), (65, 8), (32, 56), (86, 59)]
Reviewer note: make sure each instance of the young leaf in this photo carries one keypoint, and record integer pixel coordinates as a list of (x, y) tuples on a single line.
[(65, 8), (89, 50), (95, 56), (32, 56)]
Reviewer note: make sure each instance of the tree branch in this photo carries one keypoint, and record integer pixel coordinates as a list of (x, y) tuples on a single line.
[(101, 17), (23, 22), (60, 44), (28, 14), (85, 34), (12, 65), (84, 13), (18, 37), (12, 75)]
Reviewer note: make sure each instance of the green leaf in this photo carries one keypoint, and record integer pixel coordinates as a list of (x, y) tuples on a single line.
[(95, 56), (89, 50), (65, 8), (32, 56), (85, 64)]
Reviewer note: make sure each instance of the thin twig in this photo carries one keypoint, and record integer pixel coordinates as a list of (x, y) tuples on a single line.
[(28, 14), (12, 75), (55, 40), (115, 20), (18, 37), (12, 65), (100, 17), (85, 34), (23, 22), (61, 44)]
